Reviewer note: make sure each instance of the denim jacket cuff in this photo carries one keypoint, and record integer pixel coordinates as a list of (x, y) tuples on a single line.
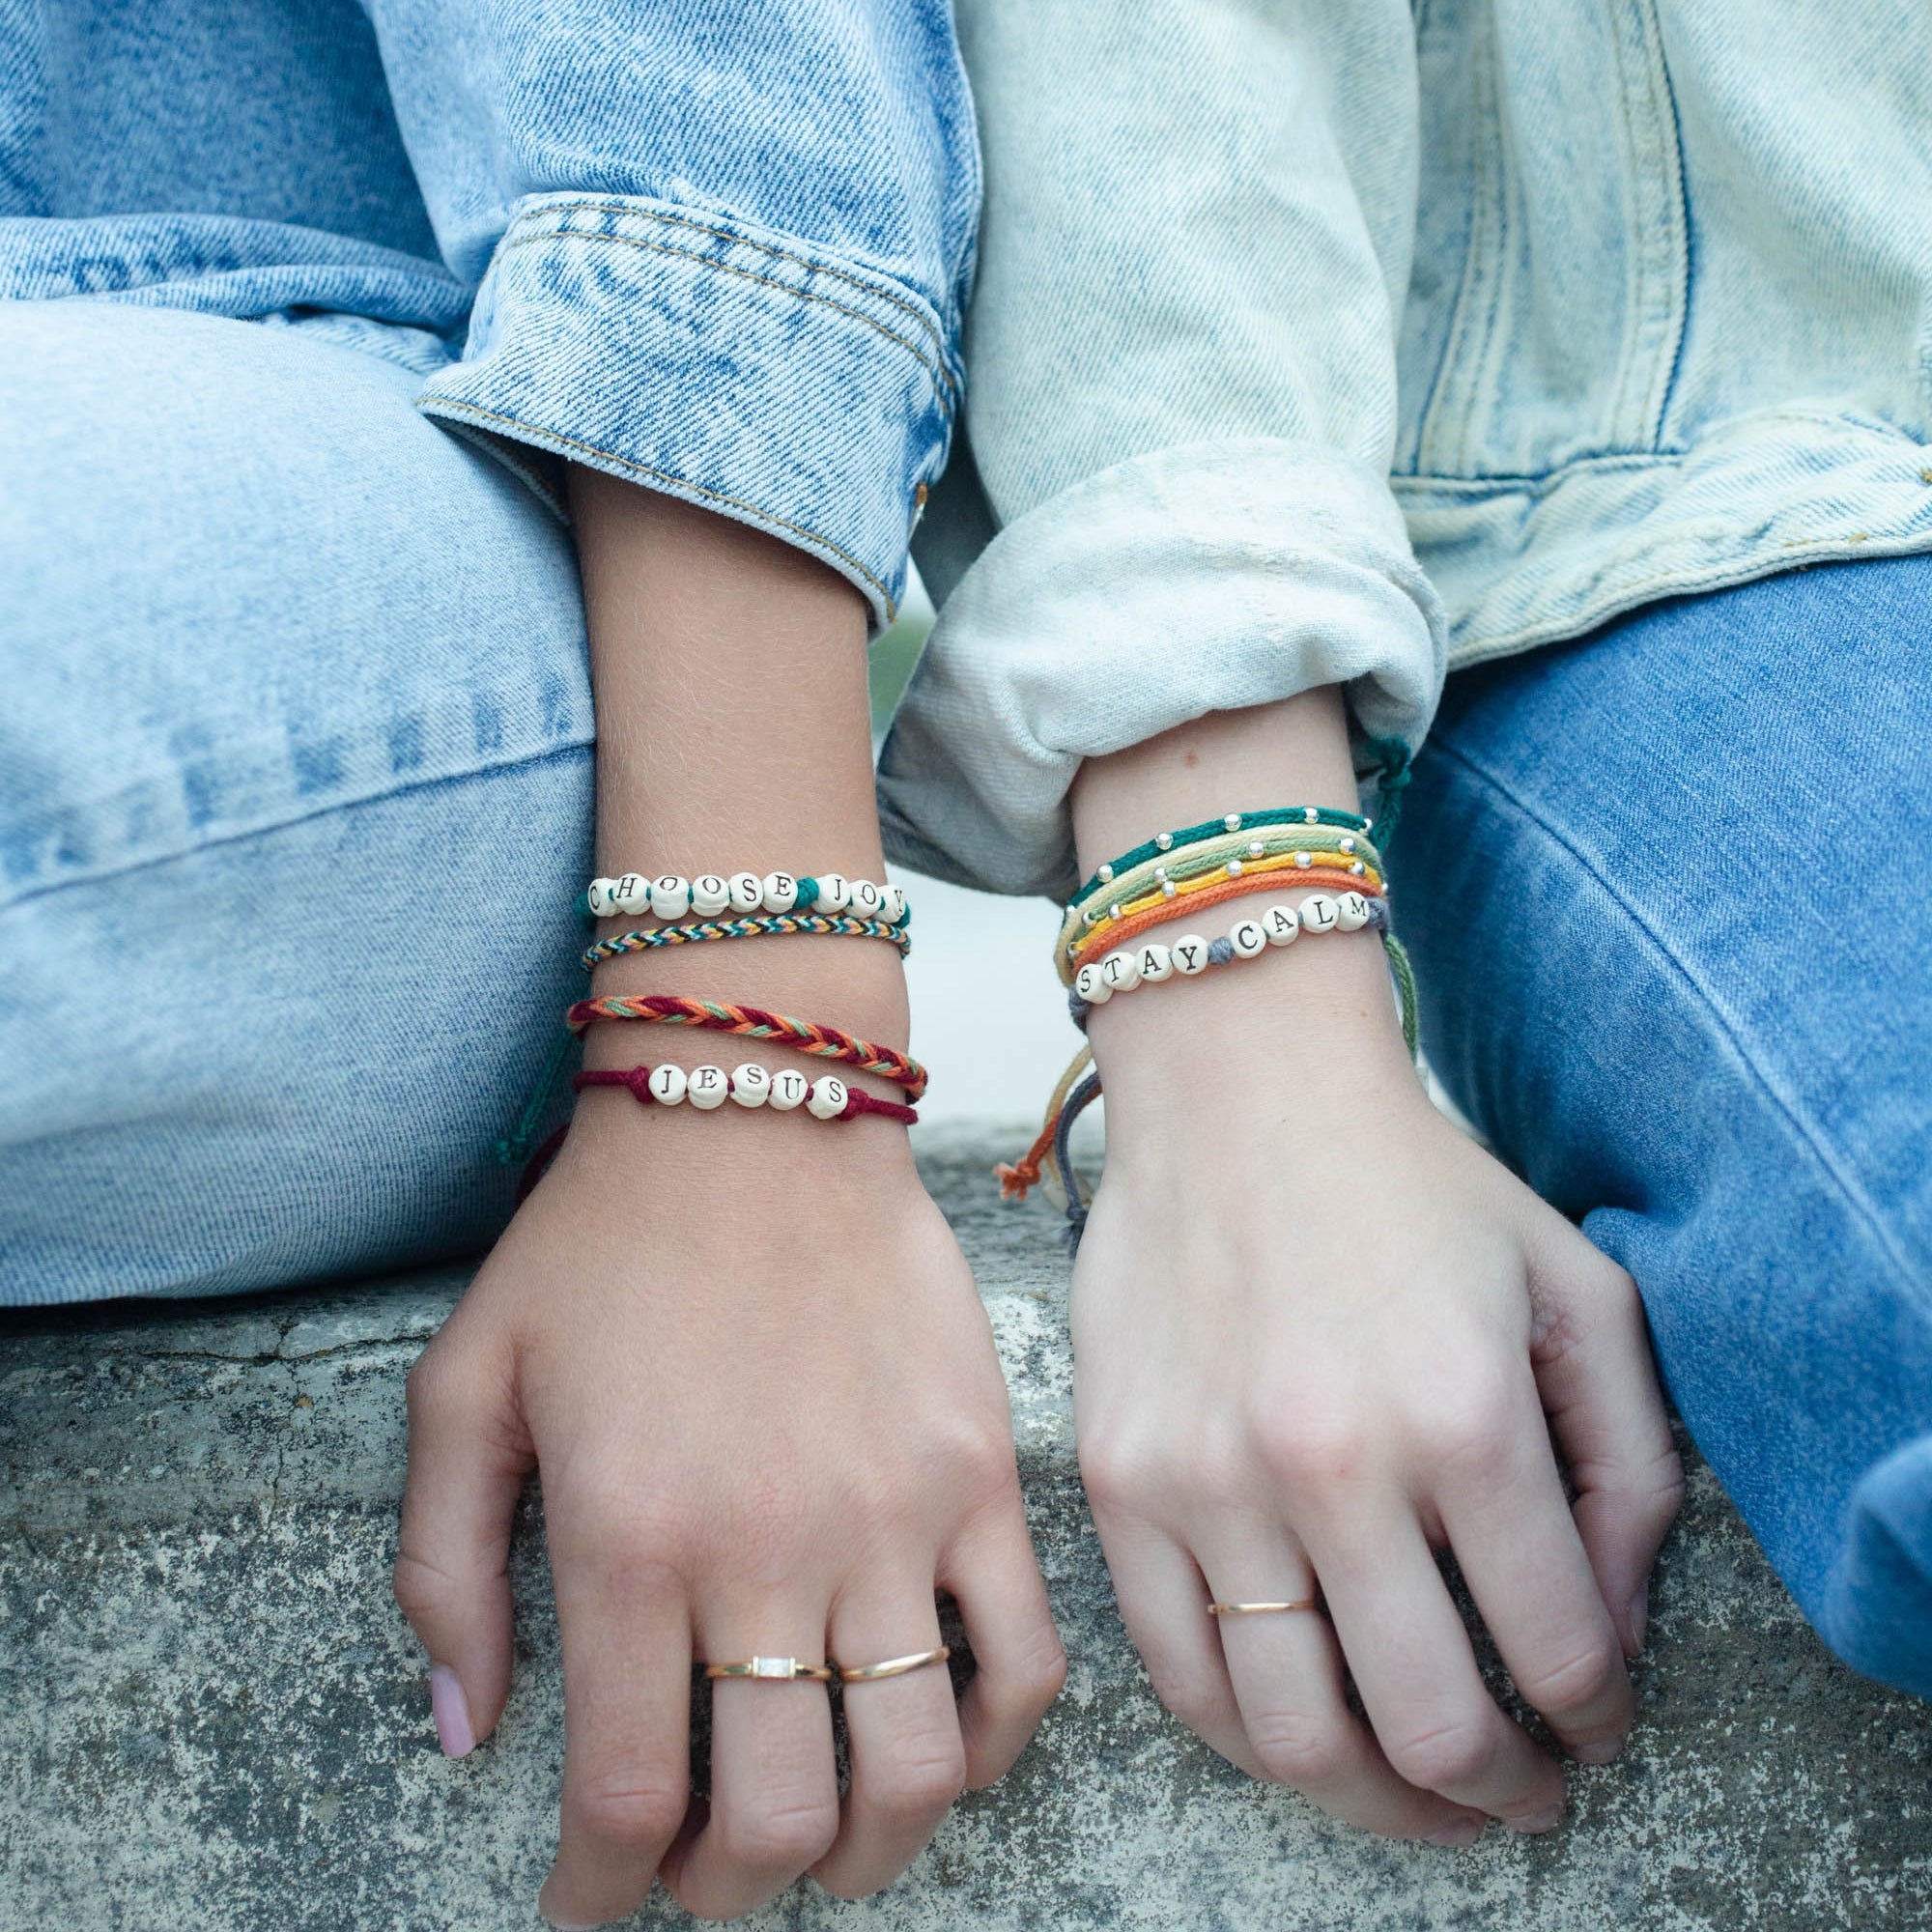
[(745, 371), (1206, 578)]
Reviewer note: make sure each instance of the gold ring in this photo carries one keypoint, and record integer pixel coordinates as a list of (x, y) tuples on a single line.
[(894, 1666), (773, 1670), (1259, 1610)]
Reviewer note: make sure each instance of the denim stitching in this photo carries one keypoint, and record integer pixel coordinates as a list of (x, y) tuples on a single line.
[(1809, 1138), (912, 349), (747, 242), (551, 437)]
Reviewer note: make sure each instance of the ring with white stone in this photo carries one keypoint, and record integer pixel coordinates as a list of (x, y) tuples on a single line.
[(772, 1671)]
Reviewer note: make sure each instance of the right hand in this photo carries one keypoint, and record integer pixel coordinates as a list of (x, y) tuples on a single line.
[(1320, 1337), (751, 1364)]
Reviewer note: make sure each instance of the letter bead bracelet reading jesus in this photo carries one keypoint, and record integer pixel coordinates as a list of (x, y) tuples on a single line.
[(1104, 949)]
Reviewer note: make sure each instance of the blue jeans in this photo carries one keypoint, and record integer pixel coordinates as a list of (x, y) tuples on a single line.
[(1669, 894), (295, 796)]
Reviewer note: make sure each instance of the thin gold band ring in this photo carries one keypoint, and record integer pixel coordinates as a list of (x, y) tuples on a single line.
[(894, 1666), (1260, 1609), (773, 1670)]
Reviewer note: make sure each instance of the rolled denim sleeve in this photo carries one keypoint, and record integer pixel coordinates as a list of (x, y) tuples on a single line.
[(1196, 247), (721, 250)]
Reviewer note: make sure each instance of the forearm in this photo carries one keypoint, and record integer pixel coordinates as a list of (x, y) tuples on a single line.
[(732, 734)]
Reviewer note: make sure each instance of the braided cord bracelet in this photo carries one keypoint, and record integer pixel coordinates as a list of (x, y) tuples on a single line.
[(753, 1023), (1128, 885), (648, 938)]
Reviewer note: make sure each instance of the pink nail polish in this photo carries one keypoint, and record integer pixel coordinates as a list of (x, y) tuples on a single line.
[(1458, 1833), (451, 1712)]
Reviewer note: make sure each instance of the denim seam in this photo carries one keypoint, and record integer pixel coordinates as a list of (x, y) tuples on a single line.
[(1808, 1136), (348, 801), (912, 349), (817, 267), (438, 403)]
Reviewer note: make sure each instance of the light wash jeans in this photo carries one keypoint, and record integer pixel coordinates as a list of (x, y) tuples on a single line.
[(1669, 895), (294, 797)]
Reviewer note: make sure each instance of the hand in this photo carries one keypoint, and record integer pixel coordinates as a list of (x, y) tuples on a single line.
[(1320, 1336), (751, 1362)]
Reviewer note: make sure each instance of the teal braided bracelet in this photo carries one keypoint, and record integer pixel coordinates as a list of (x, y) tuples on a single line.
[(1214, 828), (649, 939)]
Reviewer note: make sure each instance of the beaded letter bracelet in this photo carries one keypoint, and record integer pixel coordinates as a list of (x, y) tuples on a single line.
[(709, 895), (826, 1098)]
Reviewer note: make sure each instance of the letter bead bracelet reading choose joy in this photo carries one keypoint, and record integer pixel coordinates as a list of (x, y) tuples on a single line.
[(779, 904), (1103, 948)]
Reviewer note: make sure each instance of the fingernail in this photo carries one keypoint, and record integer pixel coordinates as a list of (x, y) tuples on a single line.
[(451, 1712), (1537, 1820), (1600, 1752), (1640, 1616), (1458, 1834)]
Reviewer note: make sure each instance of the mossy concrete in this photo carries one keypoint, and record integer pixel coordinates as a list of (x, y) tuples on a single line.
[(213, 1720)]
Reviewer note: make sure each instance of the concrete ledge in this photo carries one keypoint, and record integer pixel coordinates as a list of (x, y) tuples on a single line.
[(211, 1718)]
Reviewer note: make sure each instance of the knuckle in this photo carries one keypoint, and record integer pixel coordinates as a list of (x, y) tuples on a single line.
[(1474, 1444), (1118, 1471), (421, 1589), (783, 1835), (1305, 1449), (1196, 1701), (1577, 1682), (1446, 1756), (919, 1775), (638, 1814), (1039, 1666), (1300, 1751), (434, 1387)]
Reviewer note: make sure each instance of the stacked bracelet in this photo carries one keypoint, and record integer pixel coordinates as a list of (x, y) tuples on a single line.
[(1163, 842), (1151, 962), (826, 1098), (671, 897), (650, 938)]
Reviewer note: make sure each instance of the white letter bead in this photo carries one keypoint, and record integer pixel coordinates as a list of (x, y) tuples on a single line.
[(748, 892), (1281, 925), (1189, 953), (602, 904), (827, 1098), (708, 1087), (750, 1086), (1157, 963), (1248, 939), (632, 893), (868, 900), (670, 897), (710, 895), (893, 907), (834, 893), (1351, 912), (788, 1087), (1319, 913), (1091, 983), (1122, 972), (668, 1085), (778, 893)]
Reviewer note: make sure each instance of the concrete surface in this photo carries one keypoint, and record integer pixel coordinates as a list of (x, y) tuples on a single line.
[(211, 1718)]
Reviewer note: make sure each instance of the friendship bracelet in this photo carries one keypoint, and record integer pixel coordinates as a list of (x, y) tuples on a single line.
[(1245, 884), (1233, 821), (669, 897), (754, 1023), (1120, 972), (1147, 886), (826, 1098), (650, 938)]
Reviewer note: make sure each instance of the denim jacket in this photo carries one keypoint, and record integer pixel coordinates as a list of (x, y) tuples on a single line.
[(1335, 340), (720, 249)]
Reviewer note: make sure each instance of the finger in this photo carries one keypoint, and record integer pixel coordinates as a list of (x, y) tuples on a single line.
[(627, 1725), (1019, 1667), (1591, 1352), (1410, 1657), (774, 1811), (1285, 1668), (1163, 1602), (468, 1459), (1509, 1523), (908, 1758)]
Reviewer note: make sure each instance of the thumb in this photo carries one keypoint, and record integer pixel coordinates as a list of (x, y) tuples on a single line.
[(468, 1455), (1590, 1351)]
